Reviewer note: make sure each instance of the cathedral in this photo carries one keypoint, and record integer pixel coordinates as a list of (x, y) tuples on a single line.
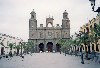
[(46, 38)]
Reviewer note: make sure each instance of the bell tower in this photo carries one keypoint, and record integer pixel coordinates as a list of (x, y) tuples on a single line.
[(65, 26), (65, 20), (32, 26), (32, 20)]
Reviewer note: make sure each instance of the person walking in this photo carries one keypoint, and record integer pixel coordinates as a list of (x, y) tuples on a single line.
[(82, 59), (93, 54)]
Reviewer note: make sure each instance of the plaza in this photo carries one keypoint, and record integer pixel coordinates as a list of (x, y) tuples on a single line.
[(46, 60)]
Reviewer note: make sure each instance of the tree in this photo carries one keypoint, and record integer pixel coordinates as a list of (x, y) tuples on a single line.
[(95, 35), (66, 45), (18, 48), (63, 44), (28, 47), (31, 46), (11, 46)]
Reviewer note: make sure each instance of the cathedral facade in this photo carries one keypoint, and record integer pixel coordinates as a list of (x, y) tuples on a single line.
[(46, 38)]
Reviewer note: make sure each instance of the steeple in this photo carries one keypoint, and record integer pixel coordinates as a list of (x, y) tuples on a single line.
[(33, 14), (32, 20), (65, 20), (65, 26), (65, 15)]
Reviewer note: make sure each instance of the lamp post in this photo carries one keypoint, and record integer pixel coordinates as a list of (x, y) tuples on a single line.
[(93, 6)]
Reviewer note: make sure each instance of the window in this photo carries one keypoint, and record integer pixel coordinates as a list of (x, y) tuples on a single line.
[(66, 17), (33, 16), (49, 24)]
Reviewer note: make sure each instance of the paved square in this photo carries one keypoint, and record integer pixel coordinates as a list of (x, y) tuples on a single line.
[(46, 60)]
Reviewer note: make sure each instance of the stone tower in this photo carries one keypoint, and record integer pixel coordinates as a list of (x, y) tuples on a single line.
[(65, 26), (32, 25)]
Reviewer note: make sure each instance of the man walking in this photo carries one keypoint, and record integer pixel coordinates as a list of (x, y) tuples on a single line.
[(82, 59)]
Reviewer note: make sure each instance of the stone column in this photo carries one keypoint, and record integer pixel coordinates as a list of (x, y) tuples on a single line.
[(44, 45), (54, 45)]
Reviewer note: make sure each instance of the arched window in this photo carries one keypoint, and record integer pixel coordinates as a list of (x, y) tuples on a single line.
[(49, 24)]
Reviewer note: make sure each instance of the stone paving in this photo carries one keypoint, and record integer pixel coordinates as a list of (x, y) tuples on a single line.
[(46, 60)]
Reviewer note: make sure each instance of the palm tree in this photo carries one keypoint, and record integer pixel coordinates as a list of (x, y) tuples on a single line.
[(2, 48), (11, 46), (18, 48)]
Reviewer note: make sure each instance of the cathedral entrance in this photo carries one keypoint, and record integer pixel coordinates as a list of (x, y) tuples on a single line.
[(58, 47), (41, 47), (49, 46)]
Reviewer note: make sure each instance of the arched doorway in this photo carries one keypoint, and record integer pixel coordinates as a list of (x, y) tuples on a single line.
[(41, 47), (49, 46), (58, 46)]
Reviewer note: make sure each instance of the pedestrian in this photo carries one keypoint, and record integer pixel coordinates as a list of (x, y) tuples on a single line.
[(10, 53), (86, 55), (93, 54), (82, 59), (96, 57), (76, 52)]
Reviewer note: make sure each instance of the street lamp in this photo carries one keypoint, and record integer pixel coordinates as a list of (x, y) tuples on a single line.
[(93, 5)]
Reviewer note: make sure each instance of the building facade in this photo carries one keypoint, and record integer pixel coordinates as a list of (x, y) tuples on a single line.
[(87, 28), (46, 38)]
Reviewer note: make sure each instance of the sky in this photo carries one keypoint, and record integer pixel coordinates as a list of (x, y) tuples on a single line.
[(15, 14)]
